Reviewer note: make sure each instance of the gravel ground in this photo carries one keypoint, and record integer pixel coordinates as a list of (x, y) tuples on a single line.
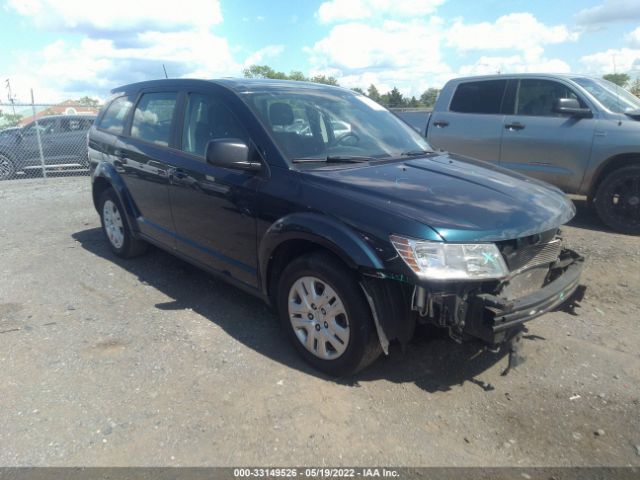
[(105, 362)]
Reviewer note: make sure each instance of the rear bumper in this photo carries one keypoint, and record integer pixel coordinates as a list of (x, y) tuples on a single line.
[(490, 317)]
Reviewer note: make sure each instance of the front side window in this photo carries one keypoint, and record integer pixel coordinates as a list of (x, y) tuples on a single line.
[(319, 123), (208, 119), (537, 97), (153, 116), (116, 114), (478, 97)]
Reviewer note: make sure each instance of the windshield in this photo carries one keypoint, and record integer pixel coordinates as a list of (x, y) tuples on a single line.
[(325, 124), (613, 97)]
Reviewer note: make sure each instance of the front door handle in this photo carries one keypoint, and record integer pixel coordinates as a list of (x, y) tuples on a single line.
[(177, 173), (441, 123), (514, 126), (121, 158)]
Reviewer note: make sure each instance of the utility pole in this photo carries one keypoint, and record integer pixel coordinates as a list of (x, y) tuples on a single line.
[(10, 96)]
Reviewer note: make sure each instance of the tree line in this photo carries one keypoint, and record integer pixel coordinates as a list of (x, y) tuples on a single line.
[(392, 99)]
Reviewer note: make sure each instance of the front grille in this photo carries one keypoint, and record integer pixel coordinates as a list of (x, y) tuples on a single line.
[(531, 256)]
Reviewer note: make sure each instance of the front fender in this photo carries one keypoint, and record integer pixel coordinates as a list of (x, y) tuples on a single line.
[(340, 239), (105, 172)]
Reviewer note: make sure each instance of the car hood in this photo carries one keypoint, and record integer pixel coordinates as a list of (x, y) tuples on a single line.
[(460, 198)]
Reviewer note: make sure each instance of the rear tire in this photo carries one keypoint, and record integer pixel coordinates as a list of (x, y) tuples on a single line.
[(325, 315), (617, 200), (116, 229), (7, 168)]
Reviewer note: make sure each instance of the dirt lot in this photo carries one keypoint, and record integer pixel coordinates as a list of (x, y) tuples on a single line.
[(152, 362)]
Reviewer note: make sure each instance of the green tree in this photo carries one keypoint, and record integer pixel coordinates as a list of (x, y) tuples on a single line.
[(88, 102), (620, 79), (299, 76), (358, 90), (373, 93), (428, 97), (263, 71), (9, 119), (635, 87), (413, 103), (324, 79), (393, 99)]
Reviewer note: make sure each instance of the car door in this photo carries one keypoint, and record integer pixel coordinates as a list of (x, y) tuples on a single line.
[(28, 146), (212, 206), (543, 144), (70, 143), (472, 123), (141, 157)]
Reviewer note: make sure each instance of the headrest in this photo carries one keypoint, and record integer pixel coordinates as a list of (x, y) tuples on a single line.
[(281, 114)]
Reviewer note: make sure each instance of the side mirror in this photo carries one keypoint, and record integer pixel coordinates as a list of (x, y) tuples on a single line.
[(571, 107), (230, 153)]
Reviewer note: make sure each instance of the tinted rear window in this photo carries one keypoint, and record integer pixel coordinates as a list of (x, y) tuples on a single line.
[(478, 97), (115, 115)]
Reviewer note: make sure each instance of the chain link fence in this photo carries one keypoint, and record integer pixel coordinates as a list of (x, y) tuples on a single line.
[(42, 140)]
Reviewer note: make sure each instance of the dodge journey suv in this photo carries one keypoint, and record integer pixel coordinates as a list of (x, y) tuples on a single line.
[(332, 210)]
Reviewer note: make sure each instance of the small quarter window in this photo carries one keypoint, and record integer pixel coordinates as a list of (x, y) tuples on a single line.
[(153, 116)]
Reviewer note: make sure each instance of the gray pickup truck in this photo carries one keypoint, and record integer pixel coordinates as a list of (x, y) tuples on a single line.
[(579, 133)]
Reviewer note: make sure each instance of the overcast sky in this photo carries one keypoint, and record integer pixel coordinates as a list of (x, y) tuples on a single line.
[(68, 48)]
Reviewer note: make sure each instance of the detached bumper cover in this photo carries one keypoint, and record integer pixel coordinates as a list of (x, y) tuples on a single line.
[(498, 315)]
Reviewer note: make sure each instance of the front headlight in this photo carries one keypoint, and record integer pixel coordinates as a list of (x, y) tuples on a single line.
[(451, 261)]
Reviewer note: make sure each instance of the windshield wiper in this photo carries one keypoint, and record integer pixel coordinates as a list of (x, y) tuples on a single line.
[(416, 153), (334, 159)]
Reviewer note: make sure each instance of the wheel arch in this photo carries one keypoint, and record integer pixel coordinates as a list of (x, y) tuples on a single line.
[(611, 164), (297, 234), (106, 177)]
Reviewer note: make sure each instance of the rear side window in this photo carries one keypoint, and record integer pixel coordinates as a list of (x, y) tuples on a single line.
[(478, 97), (114, 117), (153, 117)]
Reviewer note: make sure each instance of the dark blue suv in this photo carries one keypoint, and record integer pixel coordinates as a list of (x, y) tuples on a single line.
[(327, 206)]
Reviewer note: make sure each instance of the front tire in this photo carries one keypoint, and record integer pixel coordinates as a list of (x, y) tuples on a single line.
[(325, 315), (617, 200), (116, 229)]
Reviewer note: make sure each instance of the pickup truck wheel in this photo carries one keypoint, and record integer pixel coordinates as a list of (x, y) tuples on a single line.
[(115, 227), (617, 200), (7, 168), (324, 313)]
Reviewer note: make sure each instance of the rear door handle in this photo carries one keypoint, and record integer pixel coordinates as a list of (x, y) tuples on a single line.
[(514, 126), (441, 123)]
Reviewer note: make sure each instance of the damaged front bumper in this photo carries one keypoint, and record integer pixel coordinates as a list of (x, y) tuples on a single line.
[(490, 317), (477, 311)]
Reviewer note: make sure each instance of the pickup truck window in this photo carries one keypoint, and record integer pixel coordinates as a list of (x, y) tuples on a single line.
[(205, 120), (536, 97), (478, 97), (152, 117)]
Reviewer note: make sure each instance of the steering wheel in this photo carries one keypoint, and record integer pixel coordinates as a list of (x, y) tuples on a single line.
[(338, 141)]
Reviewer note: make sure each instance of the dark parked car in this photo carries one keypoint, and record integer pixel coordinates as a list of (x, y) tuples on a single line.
[(348, 224), (63, 139)]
